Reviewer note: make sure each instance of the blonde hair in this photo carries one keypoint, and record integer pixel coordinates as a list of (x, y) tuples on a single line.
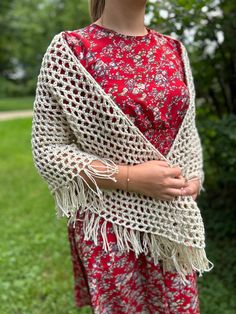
[(96, 8)]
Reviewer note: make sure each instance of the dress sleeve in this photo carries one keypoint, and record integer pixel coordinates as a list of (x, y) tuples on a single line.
[(56, 152), (78, 44)]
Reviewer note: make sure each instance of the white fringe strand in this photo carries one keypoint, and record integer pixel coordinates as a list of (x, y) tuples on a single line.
[(174, 256)]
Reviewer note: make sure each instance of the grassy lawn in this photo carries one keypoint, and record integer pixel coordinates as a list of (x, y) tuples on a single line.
[(35, 265), (16, 103)]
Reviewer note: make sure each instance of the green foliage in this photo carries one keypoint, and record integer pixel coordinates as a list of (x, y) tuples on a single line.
[(6, 42), (13, 88), (219, 144), (28, 27), (208, 30)]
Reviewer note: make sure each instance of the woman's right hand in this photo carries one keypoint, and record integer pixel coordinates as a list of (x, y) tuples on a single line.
[(157, 179)]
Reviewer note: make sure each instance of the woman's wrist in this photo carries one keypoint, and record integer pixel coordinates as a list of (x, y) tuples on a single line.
[(122, 177), (125, 178)]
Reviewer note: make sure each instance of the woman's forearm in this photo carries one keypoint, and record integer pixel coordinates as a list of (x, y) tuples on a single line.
[(120, 176)]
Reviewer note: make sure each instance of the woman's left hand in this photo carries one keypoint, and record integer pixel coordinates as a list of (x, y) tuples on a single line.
[(193, 187)]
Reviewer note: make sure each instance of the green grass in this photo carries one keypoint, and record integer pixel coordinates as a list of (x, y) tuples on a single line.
[(16, 103), (35, 263)]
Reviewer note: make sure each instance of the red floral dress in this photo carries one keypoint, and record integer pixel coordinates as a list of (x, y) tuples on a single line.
[(145, 76)]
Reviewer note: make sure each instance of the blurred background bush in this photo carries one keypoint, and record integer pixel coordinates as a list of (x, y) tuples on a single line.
[(35, 269)]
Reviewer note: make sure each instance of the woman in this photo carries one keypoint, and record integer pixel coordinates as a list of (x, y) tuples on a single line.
[(121, 267)]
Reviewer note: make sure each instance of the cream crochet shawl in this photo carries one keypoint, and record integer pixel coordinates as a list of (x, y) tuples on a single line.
[(76, 122)]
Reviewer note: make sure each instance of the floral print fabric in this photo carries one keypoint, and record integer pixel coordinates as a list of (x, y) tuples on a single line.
[(145, 77), (119, 283)]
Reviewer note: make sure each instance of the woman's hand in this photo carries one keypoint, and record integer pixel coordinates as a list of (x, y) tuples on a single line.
[(157, 179), (193, 187)]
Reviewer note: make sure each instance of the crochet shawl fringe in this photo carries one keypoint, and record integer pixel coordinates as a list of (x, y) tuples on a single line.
[(174, 256)]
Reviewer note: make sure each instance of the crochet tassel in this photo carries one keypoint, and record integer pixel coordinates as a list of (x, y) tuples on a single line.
[(69, 198), (174, 256)]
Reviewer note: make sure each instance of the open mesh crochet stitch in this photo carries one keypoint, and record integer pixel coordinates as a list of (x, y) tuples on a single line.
[(76, 122)]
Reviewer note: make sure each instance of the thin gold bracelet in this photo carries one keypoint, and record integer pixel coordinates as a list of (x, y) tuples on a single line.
[(127, 179)]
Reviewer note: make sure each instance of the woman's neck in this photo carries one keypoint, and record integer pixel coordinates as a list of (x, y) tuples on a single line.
[(124, 16)]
